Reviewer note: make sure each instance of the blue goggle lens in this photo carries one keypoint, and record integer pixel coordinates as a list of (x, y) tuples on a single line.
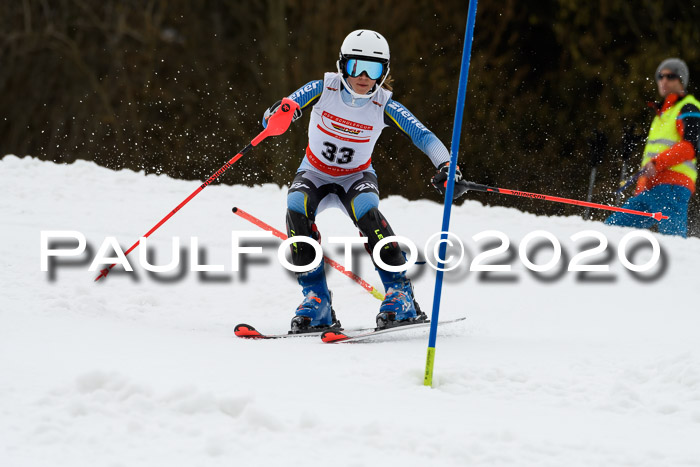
[(355, 67)]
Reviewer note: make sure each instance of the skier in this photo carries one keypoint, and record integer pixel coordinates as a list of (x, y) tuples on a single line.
[(349, 110)]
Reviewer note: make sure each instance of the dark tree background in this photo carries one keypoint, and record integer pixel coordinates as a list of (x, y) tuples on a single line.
[(177, 87)]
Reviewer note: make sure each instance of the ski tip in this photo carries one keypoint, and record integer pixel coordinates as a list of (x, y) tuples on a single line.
[(247, 331), (333, 336), (235, 209)]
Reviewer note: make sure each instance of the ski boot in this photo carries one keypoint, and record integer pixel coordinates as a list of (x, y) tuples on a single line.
[(315, 312), (399, 307)]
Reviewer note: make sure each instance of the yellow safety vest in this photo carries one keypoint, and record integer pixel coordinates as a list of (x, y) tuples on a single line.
[(663, 134)]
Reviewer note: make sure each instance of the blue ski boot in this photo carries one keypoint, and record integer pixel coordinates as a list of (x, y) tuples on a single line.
[(399, 306), (315, 312)]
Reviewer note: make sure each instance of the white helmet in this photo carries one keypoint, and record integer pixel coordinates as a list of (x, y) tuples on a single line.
[(372, 50)]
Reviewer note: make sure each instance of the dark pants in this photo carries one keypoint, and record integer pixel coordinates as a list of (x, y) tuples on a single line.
[(359, 198)]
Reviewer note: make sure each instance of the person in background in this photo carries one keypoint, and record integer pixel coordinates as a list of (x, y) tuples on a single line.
[(669, 163)]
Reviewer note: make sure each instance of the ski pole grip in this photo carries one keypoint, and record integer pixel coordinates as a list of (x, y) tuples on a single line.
[(629, 182), (279, 121), (471, 186)]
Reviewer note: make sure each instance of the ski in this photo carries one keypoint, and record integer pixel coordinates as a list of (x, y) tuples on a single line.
[(246, 331), (338, 336)]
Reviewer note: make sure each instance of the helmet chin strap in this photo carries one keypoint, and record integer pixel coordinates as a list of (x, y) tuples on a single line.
[(352, 92)]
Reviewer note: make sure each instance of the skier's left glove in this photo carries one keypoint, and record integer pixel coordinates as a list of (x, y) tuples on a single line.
[(439, 181), (273, 109)]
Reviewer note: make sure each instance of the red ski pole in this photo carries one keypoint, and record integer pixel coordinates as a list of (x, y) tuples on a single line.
[(365, 285), (276, 125), (477, 187)]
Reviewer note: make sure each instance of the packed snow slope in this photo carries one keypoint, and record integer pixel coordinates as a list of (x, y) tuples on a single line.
[(552, 368)]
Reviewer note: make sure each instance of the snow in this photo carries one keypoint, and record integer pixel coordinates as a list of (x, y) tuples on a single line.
[(142, 369)]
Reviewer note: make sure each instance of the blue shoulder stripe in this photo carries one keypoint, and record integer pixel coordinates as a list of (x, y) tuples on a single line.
[(424, 139), (404, 120), (689, 114), (307, 93)]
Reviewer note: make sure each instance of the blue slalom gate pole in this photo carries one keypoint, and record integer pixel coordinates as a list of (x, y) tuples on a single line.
[(449, 192)]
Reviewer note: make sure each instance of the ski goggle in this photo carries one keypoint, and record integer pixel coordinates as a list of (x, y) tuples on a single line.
[(355, 67)]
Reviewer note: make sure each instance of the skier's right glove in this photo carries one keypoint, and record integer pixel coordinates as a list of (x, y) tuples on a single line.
[(439, 181), (273, 109)]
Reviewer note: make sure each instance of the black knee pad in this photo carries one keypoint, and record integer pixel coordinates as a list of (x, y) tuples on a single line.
[(374, 226), (298, 225)]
